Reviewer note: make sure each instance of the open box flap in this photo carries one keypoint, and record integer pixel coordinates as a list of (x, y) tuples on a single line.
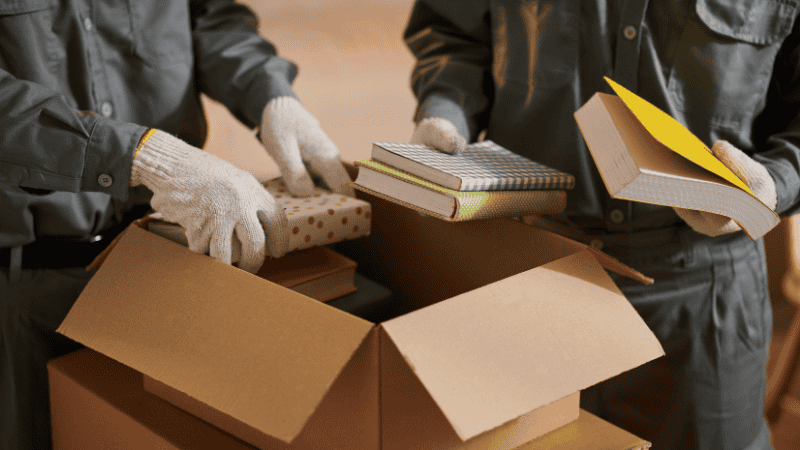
[(247, 347), (566, 238), (504, 349)]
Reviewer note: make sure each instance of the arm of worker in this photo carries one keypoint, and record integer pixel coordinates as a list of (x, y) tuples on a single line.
[(239, 68), (451, 42), (46, 144), (778, 129), (773, 170)]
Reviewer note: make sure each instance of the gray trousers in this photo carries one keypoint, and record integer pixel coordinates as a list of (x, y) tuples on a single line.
[(32, 305), (710, 309)]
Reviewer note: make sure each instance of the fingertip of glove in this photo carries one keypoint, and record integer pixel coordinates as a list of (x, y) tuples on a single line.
[(276, 232), (300, 186), (251, 266)]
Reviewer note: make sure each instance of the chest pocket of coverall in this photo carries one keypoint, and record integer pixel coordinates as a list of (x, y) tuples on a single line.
[(725, 58), (28, 38), (535, 43), (157, 31)]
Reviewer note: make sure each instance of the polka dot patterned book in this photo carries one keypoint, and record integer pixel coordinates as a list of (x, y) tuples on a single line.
[(482, 166), (321, 219)]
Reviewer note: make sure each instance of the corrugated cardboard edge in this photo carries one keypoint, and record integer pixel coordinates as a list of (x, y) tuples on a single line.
[(608, 262), (618, 267)]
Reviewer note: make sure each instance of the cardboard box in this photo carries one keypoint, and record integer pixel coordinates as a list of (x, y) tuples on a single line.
[(98, 403), (506, 320)]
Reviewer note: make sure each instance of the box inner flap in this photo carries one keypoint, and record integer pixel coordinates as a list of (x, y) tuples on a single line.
[(247, 347), (494, 353)]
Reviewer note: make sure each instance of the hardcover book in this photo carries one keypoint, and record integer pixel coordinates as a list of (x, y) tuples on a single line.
[(645, 155), (482, 166), (406, 189), (318, 272)]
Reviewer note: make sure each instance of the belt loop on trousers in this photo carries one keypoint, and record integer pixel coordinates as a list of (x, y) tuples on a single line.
[(15, 265)]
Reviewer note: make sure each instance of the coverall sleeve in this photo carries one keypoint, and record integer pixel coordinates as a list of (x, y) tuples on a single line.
[(452, 76), (777, 131), (46, 144), (234, 64)]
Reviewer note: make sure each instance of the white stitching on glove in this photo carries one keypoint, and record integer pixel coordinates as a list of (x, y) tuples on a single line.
[(754, 175), (219, 205), (295, 140), (440, 134)]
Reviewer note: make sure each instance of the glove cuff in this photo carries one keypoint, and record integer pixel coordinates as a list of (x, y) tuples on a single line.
[(158, 156)]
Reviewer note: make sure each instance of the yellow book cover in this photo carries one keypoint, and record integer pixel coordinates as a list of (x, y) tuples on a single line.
[(645, 155)]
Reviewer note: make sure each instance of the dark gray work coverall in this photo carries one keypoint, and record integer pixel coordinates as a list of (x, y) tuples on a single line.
[(727, 69), (80, 82)]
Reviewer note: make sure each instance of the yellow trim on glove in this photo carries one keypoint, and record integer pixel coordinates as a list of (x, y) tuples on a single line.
[(144, 139)]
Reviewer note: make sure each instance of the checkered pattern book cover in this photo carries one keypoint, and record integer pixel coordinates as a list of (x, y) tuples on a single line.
[(483, 166)]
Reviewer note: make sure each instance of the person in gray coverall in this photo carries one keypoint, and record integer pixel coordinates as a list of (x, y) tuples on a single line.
[(730, 71), (100, 118)]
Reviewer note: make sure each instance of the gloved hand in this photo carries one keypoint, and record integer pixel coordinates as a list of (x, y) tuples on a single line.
[(294, 139), (754, 175), (219, 205), (440, 134)]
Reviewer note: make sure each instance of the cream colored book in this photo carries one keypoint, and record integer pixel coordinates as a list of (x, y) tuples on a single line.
[(645, 155), (403, 188)]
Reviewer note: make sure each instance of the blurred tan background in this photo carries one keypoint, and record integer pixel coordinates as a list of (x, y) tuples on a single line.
[(354, 76)]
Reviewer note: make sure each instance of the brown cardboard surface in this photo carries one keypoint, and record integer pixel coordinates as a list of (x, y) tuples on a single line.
[(247, 347), (98, 403), (507, 348), (347, 418), (407, 405), (589, 432), (426, 260), (269, 357)]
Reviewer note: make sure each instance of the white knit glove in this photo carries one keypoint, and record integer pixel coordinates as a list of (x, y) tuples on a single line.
[(295, 140), (754, 175), (219, 205), (440, 134)]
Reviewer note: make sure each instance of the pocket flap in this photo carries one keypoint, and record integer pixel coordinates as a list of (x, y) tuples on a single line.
[(753, 21), (22, 6)]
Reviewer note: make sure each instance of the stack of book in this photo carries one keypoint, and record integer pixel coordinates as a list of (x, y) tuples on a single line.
[(482, 181)]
